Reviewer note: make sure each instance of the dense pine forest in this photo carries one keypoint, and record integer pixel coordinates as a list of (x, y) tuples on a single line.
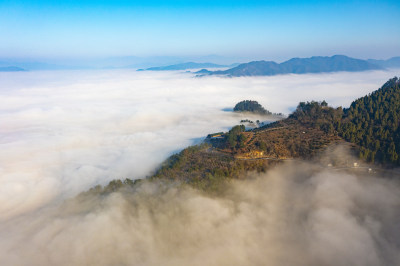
[(372, 122)]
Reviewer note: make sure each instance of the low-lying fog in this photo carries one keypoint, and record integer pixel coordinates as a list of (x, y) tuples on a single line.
[(296, 214), (62, 132)]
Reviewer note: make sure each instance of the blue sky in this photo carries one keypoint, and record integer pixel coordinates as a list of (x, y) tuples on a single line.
[(274, 30)]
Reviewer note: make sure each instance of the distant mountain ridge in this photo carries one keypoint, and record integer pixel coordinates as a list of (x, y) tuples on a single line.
[(315, 64), (185, 66), (11, 69), (390, 63)]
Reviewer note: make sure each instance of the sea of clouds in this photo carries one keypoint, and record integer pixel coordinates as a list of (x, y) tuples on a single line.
[(62, 132)]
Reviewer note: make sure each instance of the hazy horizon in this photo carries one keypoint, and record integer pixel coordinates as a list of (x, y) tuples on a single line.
[(133, 62)]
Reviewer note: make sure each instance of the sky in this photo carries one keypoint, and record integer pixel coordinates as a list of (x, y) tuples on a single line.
[(275, 30)]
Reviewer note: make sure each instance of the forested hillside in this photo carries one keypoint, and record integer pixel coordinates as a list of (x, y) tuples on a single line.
[(372, 122)]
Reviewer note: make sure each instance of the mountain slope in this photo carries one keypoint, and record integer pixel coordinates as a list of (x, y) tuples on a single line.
[(373, 123), (318, 64), (255, 68)]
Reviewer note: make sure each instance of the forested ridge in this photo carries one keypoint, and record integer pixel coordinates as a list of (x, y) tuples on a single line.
[(372, 122)]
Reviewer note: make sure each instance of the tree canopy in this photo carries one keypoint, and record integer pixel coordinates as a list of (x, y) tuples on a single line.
[(250, 106), (372, 122)]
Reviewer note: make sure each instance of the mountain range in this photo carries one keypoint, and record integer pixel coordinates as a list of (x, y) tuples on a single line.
[(185, 66), (315, 64)]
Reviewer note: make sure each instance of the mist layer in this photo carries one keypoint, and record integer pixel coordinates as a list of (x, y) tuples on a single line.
[(295, 214)]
